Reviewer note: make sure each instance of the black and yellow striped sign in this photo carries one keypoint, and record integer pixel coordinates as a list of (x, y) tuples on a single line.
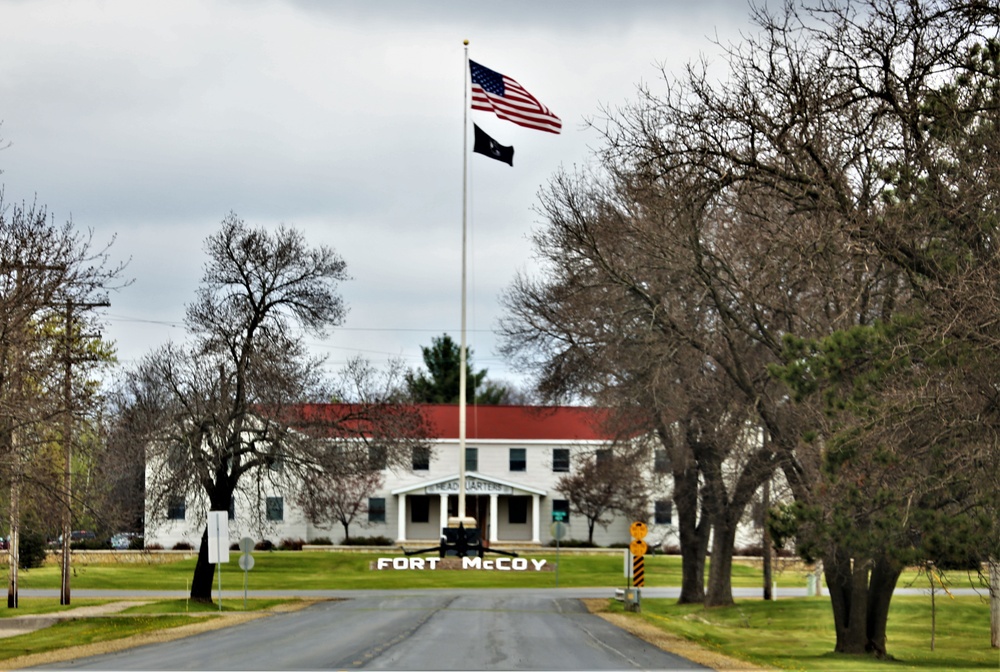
[(638, 571)]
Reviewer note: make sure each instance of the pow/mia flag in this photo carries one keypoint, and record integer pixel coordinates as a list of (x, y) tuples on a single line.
[(487, 146)]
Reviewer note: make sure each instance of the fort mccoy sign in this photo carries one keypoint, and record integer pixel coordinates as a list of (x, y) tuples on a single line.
[(501, 564)]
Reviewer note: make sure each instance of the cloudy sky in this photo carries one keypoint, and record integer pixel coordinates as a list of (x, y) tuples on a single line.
[(147, 122)]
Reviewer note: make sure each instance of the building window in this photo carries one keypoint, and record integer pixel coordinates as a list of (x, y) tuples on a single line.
[(560, 510), (664, 509), (232, 508), (176, 458), (377, 457), (517, 510), (376, 509), (275, 509), (420, 509), (421, 458), (472, 459), (661, 462), (560, 459), (518, 459), (175, 508), (602, 456)]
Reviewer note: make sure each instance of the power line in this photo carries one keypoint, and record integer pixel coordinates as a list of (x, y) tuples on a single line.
[(174, 323)]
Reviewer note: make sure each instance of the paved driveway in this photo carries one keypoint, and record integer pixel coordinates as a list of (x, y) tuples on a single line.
[(419, 630)]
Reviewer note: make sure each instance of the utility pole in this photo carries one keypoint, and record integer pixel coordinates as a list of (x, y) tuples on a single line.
[(766, 551), (64, 591), (26, 311), (67, 534), (766, 542), (14, 539)]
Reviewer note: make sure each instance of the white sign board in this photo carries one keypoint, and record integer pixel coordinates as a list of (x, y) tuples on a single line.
[(473, 486), (218, 537)]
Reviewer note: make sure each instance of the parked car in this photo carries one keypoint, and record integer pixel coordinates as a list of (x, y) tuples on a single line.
[(123, 541), (77, 535)]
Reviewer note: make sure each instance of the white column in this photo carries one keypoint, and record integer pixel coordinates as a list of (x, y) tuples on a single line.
[(535, 519), (401, 518), (444, 510), (494, 515)]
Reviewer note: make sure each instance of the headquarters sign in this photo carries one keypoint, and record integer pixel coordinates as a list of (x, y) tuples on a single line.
[(473, 486)]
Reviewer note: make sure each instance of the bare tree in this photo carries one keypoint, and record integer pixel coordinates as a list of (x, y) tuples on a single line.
[(631, 312), (836, 182), (603, 484), (343, 476), (339, 499), (846, 169), (218, 417)]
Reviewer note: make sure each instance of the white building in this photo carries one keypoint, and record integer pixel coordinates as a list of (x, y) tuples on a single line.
[(514, 457)]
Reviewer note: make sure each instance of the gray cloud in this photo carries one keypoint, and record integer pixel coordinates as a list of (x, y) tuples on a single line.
[(153, 120)]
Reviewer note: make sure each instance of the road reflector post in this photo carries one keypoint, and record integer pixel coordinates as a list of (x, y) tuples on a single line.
[(638, 571), (637, 549)]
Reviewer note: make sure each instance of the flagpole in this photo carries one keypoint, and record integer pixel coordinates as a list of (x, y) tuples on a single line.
[(462, 355)]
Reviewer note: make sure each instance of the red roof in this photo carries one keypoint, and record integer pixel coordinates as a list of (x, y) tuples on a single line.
[(513, 423), (519, 423)]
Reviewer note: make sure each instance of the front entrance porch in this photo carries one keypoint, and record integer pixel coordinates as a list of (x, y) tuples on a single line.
[(504, 511)]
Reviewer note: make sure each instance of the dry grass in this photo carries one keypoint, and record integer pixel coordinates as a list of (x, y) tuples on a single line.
[(666, 641)]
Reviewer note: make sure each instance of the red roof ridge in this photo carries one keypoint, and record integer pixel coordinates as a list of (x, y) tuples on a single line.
[(491, 422)]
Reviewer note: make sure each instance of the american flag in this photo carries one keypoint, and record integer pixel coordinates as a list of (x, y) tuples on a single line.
[(493, 92)]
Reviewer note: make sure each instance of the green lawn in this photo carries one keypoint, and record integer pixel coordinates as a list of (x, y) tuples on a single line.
[(156, 615), (186, 606), (797, 633), (27, 606), (320, 570), (85, 631), (789, 634)]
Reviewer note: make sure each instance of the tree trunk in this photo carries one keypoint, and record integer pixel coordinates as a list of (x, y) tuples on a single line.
[(693, 537), (347, 531), (590, 530), (860, 593), (720, 584), (13, 539), (204, 572), (881, 585), (848, 595), (834, 569)]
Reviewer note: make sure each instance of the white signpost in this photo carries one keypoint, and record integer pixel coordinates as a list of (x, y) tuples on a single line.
[(558, 529), (218, 543), (246, 564)]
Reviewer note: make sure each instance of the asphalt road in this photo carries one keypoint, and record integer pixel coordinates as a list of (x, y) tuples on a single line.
[(433, 630)]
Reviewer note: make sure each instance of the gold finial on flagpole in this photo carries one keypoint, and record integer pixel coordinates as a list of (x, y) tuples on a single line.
[(465, 42)]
